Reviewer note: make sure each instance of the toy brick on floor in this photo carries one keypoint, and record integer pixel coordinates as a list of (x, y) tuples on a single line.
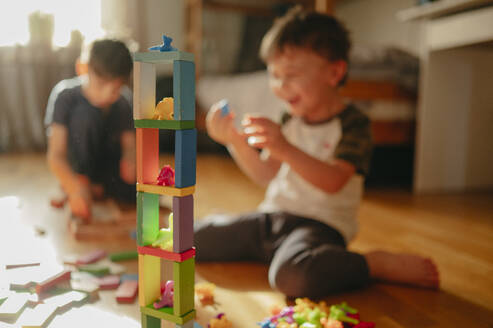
[(91, 257), (13, 306), (127, 292)]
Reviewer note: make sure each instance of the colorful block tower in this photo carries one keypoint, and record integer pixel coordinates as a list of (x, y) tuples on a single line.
[(182, 255)]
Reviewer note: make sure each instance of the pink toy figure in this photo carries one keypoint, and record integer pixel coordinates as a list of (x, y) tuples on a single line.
[(166, 176), (167, 297)]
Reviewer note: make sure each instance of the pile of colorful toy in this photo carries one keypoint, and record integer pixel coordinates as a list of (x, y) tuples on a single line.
[(308, 314)]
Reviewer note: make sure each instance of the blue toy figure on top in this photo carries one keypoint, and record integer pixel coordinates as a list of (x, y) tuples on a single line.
[(166, 46)]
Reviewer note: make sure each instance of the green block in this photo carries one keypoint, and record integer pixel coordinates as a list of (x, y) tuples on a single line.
[(162, 57), (184, 283), (166, 313), (124, 256), (95, 269), (150, 322), (147, 218), (164, 124)]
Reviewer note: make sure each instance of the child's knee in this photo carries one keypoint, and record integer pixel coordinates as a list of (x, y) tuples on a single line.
[(290, 280)]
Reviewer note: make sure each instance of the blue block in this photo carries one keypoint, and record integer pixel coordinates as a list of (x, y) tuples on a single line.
[(184, 90), (185, 157)]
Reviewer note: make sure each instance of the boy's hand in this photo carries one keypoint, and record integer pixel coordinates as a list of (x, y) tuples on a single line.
[(128, 171), (80, 202), (267, 134), (220, 127)]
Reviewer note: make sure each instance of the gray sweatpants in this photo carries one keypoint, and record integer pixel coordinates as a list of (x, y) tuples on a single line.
[(306, 257)]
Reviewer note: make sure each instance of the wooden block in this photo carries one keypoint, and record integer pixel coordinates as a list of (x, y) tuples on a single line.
[(108, 282), (164, 124), (13, 306), (170, 256), (67, 300), (150, 322), (91, 257), (95, 269), (166, 313), (144, 90), (149, 279), (147, 218), (147, 144), (39, 316), (53, 281), (184, 90), (127, 292), (184, 277), (123, 256), (162, 190), (162, 57), (182, 223), (185, 157), (21, 265)]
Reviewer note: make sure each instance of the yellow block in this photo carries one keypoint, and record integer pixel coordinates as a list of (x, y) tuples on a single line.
[(162, 190), (149, 279)]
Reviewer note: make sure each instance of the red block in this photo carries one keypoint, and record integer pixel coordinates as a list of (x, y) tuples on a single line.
[(52, 281), (127, 292), (171, 256), (147, 155), (109, 282), (91, 257)]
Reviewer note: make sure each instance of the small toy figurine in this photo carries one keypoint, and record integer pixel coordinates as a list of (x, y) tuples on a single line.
[(164, 239), (167, 297), (220, 321), (205, 293), (164, 109), (166, 46), (224, 105), (166, 176)]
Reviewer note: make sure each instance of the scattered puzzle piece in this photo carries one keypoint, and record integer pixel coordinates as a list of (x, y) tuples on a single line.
[(127, 292)]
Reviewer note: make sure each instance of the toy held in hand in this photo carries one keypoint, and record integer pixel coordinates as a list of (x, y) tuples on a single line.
[(166, 176), (167, 296), (164, 109), (224, 105)]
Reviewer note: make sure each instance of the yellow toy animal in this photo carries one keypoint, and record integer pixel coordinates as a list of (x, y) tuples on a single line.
[(164, 109)]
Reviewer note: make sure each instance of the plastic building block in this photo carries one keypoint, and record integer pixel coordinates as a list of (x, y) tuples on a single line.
[(39, 316), (164, 109), (147, 218), (52, 281), (182, 223), (91, 257), (223, 104), (144, 90), (109, 282), (123, 256), (166, 313), (184, 277), (170, 256), (166, 46), (184, 90), (165, 124), (150, 322), (127, 292), (185, 157), (149, 279), (162, 57), (147, 155), (95, 269), (13, 306), (163, 190)]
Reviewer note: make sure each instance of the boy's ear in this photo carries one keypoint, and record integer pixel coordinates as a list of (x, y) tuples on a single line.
[(337, 70), (81, 68)]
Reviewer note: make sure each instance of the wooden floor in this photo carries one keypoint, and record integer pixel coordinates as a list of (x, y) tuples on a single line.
[(455, 230)]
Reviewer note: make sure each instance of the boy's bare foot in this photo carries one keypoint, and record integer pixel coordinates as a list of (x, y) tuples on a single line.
[(403, 268)]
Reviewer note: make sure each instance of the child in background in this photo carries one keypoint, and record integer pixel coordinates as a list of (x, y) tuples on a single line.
[(314, 172), (91, 139)]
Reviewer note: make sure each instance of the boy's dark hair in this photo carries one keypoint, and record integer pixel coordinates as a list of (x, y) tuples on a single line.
[(110, 59), (321, 33)]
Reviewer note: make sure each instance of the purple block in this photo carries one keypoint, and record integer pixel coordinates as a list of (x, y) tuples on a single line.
[(182, 223)]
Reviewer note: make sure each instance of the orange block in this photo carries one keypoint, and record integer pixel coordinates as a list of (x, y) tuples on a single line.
[(147, 155)]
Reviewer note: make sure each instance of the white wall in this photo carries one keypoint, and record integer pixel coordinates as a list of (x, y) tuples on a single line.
[(374, 22)]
